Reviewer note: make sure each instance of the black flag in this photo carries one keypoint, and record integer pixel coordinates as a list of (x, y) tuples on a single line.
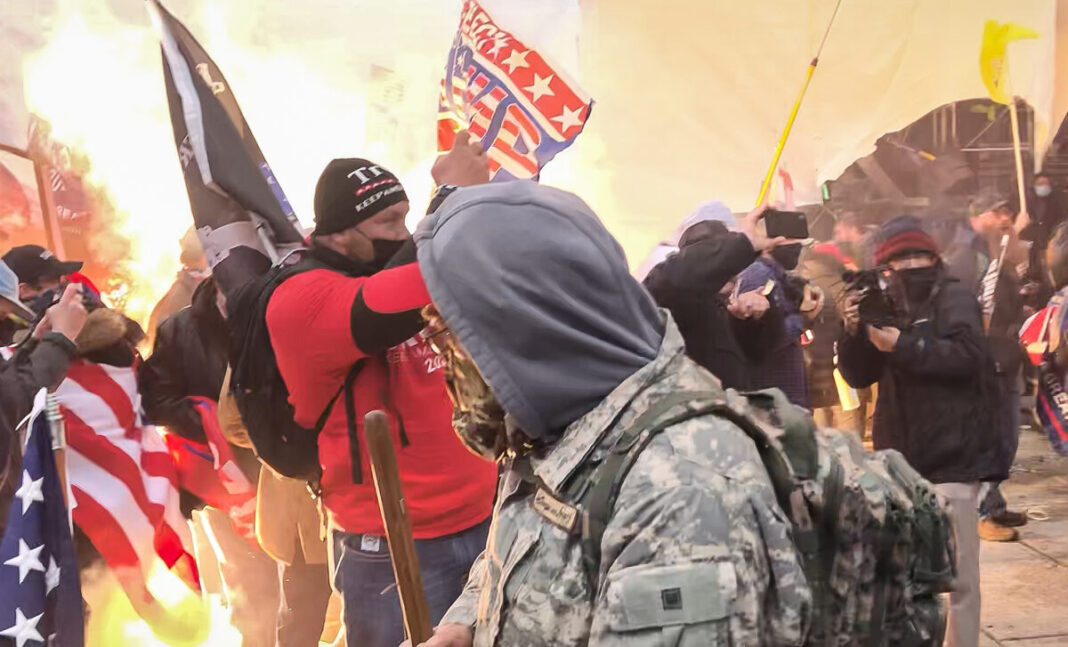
[(241, 215)]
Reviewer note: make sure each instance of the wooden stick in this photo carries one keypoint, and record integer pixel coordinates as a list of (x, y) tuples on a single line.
[(398, 528), (1015, 120)]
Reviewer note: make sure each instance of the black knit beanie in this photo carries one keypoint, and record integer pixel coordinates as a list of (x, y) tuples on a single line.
[(350, 191)]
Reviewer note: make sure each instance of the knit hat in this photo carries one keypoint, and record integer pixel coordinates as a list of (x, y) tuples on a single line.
[(350, 191), (900, 236)]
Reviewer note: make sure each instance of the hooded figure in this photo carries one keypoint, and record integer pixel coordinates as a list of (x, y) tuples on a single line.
[(530, 286)]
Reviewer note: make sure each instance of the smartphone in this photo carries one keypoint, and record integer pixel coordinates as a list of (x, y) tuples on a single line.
[(788, 224)]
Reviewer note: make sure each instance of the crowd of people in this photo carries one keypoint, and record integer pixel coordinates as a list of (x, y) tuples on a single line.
[(514, 354)]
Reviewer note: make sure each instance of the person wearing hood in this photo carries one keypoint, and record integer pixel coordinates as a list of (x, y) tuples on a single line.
[(724, 332), (784, 364), (40, 362), (557, 358), (938, 398), (352, 322)]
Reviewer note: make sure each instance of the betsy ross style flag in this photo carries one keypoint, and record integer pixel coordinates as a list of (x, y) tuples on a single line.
[(40, 594), (524, 109), (234, 195)]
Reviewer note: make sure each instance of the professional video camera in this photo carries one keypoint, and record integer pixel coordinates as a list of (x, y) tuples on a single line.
[(875, 304)]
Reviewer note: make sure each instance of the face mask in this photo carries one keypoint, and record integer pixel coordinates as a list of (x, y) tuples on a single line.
[(787, 255), (918, 282), (1043, 190), (477, 417), (385, 250), (43, 301)]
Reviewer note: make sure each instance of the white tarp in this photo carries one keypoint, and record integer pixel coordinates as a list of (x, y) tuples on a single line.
[(691, 96)]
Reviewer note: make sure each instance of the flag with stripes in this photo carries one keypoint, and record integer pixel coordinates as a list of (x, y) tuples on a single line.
[(523, 108), (1043, 334), (232, 190), (123, 482), (40, 592)]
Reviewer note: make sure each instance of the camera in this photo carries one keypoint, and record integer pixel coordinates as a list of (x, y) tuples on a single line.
[(874, 303)]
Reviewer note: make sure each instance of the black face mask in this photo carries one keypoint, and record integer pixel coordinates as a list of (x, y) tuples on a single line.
[(384, 250), (918, 283), (787, 255)]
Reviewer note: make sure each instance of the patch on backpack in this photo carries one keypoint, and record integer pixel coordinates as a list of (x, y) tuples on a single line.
[(555, 511), (671, 599)]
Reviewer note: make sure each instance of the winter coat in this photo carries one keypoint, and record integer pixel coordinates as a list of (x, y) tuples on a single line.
[(189, 358), (688, 283), (938, 392), (784, 365)]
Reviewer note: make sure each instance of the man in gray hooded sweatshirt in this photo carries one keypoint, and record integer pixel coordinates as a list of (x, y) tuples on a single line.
[(554, 355)]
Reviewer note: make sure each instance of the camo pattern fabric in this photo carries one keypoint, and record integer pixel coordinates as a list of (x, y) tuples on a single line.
[(696, 552), (887, 551)]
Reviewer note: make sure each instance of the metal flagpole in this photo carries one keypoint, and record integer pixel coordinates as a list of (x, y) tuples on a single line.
[(58, 428), (793, 111)]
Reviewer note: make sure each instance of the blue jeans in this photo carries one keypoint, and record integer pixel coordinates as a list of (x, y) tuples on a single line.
[(363, 575)]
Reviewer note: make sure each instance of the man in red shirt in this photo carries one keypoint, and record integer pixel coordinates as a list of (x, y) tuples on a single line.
[(361, 307)]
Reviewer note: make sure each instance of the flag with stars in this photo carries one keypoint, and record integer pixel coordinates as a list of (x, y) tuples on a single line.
[(524, 109), (40, 595)]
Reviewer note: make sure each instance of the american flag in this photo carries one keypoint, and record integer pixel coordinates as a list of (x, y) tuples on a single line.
[(123, 480), (40, 594), (524, 109)]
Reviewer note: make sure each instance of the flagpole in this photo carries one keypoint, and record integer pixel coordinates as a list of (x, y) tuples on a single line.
[(58, 427), (793, 111), (1015, 120)]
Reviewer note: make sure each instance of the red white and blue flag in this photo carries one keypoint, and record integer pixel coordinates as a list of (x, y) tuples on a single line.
[(124, 482), (1041, 334), (524, 109), (40, 595)]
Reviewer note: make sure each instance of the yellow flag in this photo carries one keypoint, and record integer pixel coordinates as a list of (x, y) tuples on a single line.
[(992, 62)]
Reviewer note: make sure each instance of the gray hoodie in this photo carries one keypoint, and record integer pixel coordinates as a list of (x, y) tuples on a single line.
[(538, 292)]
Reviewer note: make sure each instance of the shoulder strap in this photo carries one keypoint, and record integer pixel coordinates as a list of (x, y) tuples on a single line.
[(597, 494)]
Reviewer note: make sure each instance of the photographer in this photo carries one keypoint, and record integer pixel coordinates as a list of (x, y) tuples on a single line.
[(937, 391), (724, 332)]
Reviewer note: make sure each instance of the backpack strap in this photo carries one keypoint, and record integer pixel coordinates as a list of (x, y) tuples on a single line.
[(595, 491), (596, 495), (350, 416)]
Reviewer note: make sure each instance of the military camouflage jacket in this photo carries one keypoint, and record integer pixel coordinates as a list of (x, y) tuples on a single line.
[(697, 551)]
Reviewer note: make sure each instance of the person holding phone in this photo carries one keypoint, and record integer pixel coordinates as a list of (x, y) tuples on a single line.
[(783, 366), (725, 330)]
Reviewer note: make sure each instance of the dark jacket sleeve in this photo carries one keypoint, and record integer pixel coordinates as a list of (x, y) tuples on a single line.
[(702, 267), (860, 362), (163, 385), (758, 337), (34, 366), (388, 308), (957, 348)]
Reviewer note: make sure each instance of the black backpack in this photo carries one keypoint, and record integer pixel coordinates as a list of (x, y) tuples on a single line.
[(257, 386)]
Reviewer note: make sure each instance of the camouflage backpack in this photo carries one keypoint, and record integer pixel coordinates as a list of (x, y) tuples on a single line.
[(875, 545)]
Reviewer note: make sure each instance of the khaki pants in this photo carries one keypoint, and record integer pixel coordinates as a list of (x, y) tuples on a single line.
[(247, 576), (962, 624)]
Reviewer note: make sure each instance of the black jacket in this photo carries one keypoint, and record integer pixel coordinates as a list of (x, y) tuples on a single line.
[(188, 359), (938, 390), (34, 366), (688, 282)]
